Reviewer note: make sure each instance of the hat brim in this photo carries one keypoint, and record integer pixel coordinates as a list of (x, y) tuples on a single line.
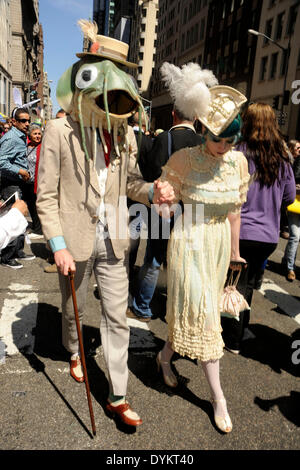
[(80, 55)]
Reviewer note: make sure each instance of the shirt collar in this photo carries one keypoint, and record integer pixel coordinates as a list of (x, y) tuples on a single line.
[(136, 128), (19, 133), (189, 126)]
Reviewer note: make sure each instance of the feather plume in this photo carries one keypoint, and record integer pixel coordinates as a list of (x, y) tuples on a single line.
[(89, 29), (189, 88)]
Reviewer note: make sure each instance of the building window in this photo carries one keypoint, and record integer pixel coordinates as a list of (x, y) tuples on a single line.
[(273, 68), (224, 10), (144, 12), (268, 30), (283, 62), (202, 29), (292, 20), (279, 26), (263, 68), (185, 16)]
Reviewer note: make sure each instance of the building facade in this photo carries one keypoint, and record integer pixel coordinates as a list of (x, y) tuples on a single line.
[(5, 57), (277, 64), (25, 45), (229, 49), (123, 19), (22, 57), (103, 15), (143, 44), (181, 33)]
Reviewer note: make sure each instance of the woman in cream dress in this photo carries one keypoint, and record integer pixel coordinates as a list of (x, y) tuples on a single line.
[(211, 181)]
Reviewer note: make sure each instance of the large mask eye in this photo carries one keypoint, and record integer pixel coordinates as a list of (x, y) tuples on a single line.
[(86, 76)]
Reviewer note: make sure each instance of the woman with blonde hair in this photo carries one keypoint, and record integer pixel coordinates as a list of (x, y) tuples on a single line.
[(272, 184)]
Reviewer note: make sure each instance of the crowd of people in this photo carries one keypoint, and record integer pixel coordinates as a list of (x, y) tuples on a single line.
[(238, 169)]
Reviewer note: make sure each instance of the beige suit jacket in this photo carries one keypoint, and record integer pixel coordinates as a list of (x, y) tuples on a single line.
[(68, 194)]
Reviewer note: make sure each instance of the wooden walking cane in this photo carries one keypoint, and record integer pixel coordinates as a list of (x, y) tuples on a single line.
[(87, 387)]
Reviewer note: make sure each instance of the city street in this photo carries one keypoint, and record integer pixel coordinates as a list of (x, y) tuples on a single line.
[(42, 408)]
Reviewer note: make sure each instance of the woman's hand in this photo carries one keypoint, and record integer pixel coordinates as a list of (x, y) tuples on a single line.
[(237, 263), (163, 193)]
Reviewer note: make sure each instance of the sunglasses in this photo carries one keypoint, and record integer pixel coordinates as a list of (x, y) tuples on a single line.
[(214, 138), (24, 120)]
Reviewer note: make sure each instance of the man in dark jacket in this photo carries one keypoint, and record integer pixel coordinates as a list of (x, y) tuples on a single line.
[(182, 134)]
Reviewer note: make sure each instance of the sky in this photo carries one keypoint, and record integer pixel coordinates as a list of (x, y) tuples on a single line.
[(62, 36)]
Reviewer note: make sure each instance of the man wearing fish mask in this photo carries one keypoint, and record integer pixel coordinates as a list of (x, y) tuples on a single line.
[(87, 168)]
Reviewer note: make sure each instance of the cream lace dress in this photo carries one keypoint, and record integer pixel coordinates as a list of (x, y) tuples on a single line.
[(199, 249)]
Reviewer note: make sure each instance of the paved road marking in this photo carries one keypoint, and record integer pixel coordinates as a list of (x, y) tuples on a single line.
[(281, 298), (18, 319)]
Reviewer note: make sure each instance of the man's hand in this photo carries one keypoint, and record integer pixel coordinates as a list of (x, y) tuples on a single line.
[(24, 174), (21, 206), (64, 261), (163, 193)]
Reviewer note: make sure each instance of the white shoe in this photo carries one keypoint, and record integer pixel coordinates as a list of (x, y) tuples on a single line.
[(223, 423), (35, 236)]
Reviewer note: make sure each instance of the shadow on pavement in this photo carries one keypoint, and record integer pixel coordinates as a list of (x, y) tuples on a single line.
[(144, 367), (278, 268), (48, 344), (39, 366), (275, 349), (289, 406), (39, 250)]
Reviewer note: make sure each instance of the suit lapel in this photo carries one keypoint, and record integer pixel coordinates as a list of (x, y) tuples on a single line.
[(73, 138)]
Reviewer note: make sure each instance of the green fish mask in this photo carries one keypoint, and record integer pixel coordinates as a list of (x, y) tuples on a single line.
[(99, 95)]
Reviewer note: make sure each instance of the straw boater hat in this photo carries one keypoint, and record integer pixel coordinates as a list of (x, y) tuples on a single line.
[(104, 46)]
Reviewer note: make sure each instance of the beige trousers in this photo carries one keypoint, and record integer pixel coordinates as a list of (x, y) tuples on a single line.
[(112, 279)]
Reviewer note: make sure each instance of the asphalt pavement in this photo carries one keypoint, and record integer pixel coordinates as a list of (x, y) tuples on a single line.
[(43, 408)]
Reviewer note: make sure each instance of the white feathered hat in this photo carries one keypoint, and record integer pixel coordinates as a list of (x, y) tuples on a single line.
[(197, 95)]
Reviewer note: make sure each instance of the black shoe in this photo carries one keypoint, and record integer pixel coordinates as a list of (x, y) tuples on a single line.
[(22, 255), (12, 263)]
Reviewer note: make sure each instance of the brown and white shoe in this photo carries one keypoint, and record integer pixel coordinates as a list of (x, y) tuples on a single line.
[(76, 370), (50, 268), (291, 276), (125, 413)]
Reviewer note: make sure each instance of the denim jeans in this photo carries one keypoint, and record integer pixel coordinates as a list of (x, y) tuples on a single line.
[(156, 251), (292, 244)]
